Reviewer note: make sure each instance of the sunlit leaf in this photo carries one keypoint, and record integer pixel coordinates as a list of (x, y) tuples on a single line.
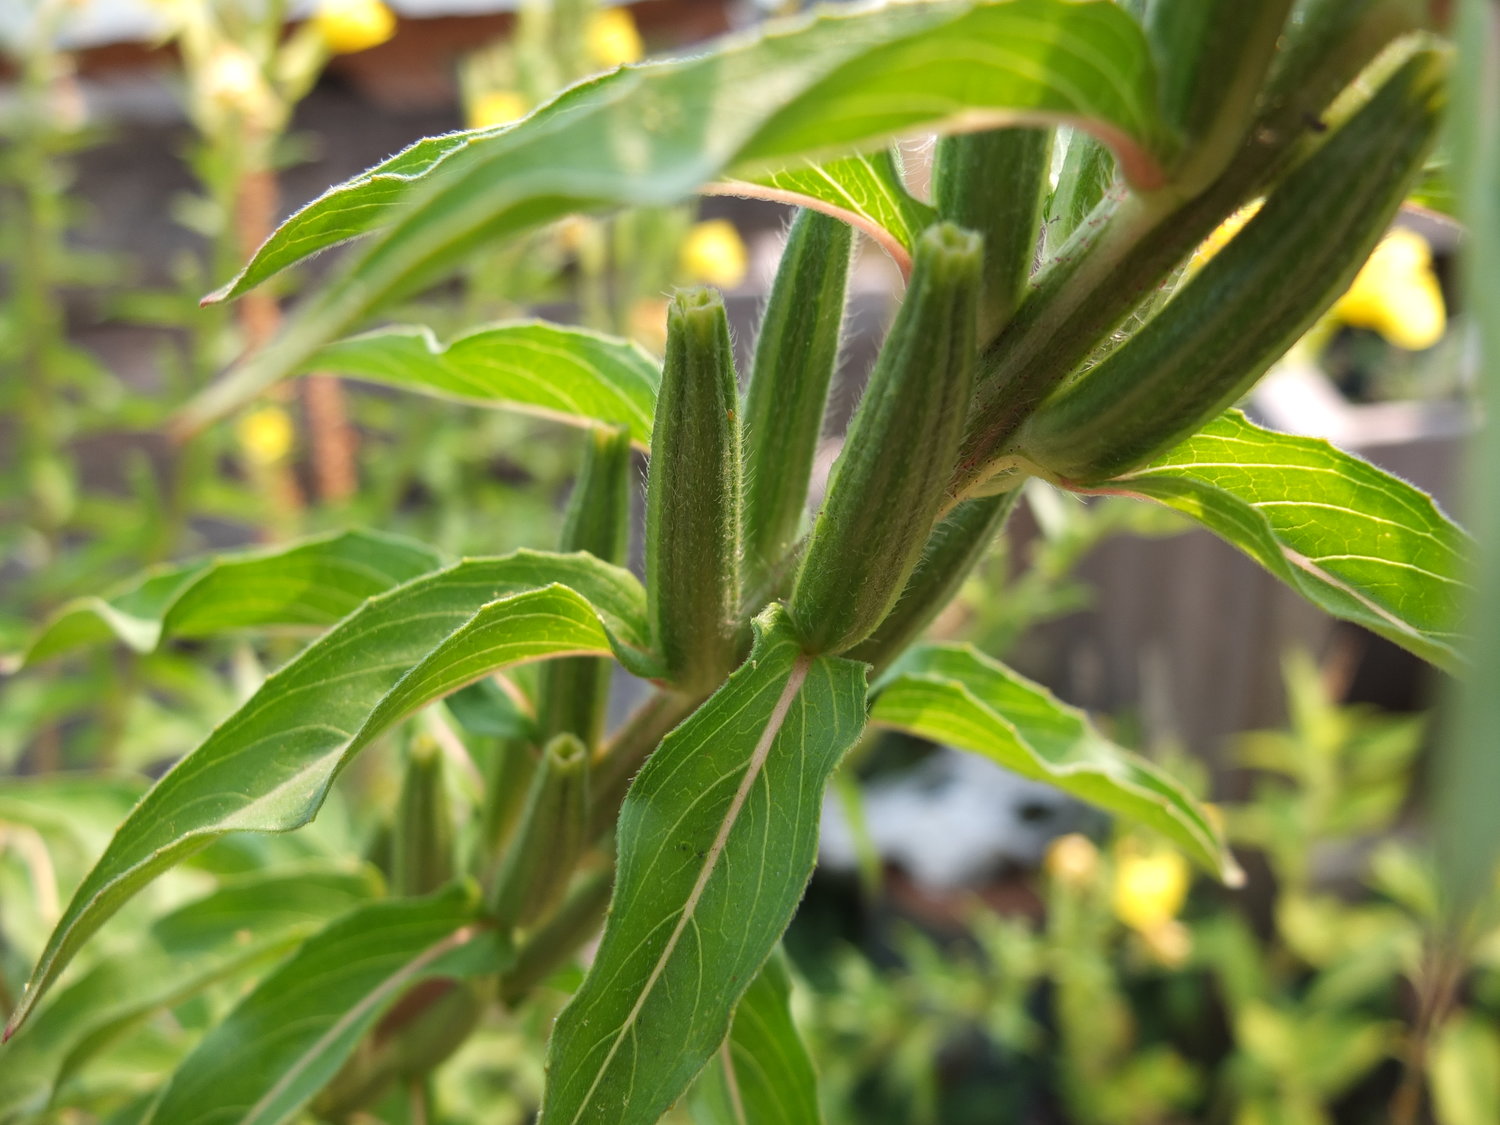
[(1355, 541), (955, 695), (269, 766), (572, 374)]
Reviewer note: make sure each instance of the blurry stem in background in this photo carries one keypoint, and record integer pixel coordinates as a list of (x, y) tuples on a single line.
[(1467, 770)]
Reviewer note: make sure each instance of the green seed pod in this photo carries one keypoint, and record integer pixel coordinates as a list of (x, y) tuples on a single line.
[(993, 183), (422, 847), (956, 545), (572, 691), (794, 360), (1239, 313), (506, 784), (549, 837), (890, 480), (693, 499)]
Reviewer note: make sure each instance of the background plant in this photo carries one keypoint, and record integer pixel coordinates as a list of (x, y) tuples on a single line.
[(989, 375)]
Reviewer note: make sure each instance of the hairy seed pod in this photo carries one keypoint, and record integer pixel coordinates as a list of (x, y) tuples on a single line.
[(693, 499), (795, 358), (549, 837), (571, 692), (422, 837), (1253, 299), (954, 548), (889, 481), (993, 183)]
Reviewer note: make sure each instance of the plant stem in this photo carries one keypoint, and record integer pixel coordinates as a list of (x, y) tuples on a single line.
[(622, 756), (554, 943)]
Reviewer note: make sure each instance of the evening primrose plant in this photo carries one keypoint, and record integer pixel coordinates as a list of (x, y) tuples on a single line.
[(771, 637)]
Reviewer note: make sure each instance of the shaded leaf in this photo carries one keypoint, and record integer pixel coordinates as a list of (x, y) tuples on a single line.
[(717, 839), (187, 950), (826, 86), (269, 766), (956, 695), (571, 374), (313, 583), (763, 1072), (1353, 540), (865, 191), (288, 1038)]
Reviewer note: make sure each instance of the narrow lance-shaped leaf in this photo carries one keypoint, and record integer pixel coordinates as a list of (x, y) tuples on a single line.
[(828, 86), (1355, 541), (956, 695), (717, 839), (571, 374), (762, 1074), (313, 583), (268, 767), (795, 356), (693, 499), (190, 949), (288, 1038), (897, 454), (866, 192)]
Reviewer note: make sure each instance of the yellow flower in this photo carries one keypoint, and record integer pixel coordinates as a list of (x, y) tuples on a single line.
[(265, 435), (498, 107), (714, 253), (1170, 943), (1150, 888), (233, 83), (612, 38), (347, 26), (1072, 859), (1397, 294), (648, 324)]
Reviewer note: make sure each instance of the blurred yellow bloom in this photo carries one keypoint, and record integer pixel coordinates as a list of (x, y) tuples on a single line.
[(612, 38), (648, 324), (347, 26), (1072, 859), (1397, 294), (232, 82), (498, 107), (1150, 888), (266, 435), (714, 253)]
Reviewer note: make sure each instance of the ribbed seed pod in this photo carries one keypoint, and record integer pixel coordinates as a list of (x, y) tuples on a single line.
[(422, 855), (572, 691), (955, 546), (693, 499), (1253, 299), (795, 358), (549, 837), (889, 481), (993, 183)]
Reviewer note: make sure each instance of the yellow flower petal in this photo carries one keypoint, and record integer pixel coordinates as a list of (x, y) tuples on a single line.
[(266, 435), (714, 253), (1072, 859), (1150, 888), (1397, 294), (347, 26), (612, 38), (498, 107)]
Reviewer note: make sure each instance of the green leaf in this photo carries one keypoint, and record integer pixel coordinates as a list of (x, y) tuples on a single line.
[(958, 696), (717, 839), (288, 1038), (762, 1073), (188, 950), (1463, 1071), (269, 766), (864, 191), (571, 374), (310, 584), (1353, 540), (827, 86)]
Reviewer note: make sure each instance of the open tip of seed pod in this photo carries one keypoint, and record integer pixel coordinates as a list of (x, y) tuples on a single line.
[(949, 247)]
